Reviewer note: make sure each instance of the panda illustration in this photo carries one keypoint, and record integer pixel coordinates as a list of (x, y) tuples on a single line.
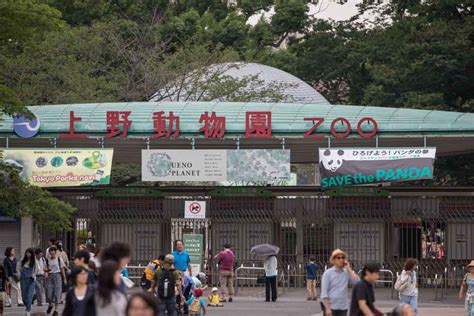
[(332, 159)]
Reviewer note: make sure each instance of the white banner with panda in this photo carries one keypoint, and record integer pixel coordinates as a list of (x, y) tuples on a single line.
[(358, 166)]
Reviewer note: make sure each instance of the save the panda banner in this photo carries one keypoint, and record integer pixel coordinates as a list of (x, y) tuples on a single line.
[(358, 166)]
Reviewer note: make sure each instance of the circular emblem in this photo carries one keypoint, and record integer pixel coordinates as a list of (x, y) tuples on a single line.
[(195, 208), (41, 162), (57, 161), (25, 127), (160, 164)]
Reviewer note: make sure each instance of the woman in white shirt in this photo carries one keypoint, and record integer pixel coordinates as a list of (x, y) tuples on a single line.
[(109, 301), (271, 273), (409, 291)]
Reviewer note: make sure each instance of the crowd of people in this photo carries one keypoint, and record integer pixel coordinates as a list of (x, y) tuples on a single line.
[(96, 283)]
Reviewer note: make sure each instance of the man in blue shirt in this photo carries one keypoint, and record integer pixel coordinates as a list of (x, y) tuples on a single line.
[(311, 269), (182, 262)]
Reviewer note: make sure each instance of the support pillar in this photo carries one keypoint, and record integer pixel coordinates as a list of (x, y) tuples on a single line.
[(299, 231)]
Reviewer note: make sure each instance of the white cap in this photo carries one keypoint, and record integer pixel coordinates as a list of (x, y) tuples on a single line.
[(214, 289)]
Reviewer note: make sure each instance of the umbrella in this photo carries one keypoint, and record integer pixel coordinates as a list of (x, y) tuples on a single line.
[(264, 250)]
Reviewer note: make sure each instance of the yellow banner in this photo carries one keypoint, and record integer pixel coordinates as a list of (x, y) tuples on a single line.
[(61, 167)]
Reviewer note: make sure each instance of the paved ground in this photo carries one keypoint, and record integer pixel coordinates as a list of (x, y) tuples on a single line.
[(250, 302)]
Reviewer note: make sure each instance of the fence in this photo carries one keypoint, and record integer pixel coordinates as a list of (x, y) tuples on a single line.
[(436, 230)]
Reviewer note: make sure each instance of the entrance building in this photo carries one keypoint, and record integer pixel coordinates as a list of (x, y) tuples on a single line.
[(383, 223)]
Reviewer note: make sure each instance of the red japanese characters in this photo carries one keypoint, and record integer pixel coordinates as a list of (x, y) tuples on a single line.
[(257, 125)]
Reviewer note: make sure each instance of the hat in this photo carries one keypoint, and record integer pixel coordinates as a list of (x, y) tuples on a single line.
[(197, 293), (336, 253), (169, 259), (471, 264), (214, 289)]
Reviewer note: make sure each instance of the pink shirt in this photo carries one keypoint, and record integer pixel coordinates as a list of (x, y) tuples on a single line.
[(226, 260)]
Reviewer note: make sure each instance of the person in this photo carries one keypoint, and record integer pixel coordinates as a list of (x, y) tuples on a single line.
[(94, 261), (334, 284), (271, 274), (78, 295), (10, 266), (142, 304), (402, 310), (90, 239), (196, 304), (214, 299), (164, 281), (28, 270), (120, 253), (3, 287), (55, 277), (189, 284), (51, 243), (108, 300), (82, 247), (182, 261), (363, 298), (311, 269), (81, 259), (149, 272), (409, 292), (226, 258), (467, 289), (39, 284), (61, 253)]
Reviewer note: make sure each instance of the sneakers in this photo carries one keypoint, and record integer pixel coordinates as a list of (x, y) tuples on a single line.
[(55, 313), (50, 308), (230, 299)]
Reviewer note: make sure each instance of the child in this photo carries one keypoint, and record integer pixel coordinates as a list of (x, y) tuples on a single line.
[(3, 287), (214, 299), (196, 304), (311, 269)]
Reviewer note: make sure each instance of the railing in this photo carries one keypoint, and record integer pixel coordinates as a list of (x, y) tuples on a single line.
[(237, 277)]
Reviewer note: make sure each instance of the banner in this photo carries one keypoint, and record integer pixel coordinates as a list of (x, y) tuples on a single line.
[(252, 165), (358, 166), (184, 165), (61, 167)]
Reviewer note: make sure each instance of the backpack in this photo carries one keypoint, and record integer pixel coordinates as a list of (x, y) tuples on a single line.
[(195, 306), (166, 284)]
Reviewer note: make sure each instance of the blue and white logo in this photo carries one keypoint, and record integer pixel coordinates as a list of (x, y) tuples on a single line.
[(25, 127)]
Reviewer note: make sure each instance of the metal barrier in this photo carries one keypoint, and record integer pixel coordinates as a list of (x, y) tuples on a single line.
[(237, 278), (383, 280)]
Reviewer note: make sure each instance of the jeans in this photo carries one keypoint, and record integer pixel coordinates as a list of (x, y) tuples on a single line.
[(410, 300), (270, 285), (226, 279), (167, 304), (39, 289), (27, 290)]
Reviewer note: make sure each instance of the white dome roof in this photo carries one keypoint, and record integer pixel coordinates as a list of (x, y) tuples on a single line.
[(293, 89)]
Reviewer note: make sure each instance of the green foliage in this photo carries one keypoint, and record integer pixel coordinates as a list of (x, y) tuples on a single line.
[(20, 199)]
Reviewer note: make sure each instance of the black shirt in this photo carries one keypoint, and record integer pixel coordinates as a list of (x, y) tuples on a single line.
[(363, 290)]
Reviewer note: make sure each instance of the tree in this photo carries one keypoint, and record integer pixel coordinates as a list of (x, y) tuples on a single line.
[(20, 199)]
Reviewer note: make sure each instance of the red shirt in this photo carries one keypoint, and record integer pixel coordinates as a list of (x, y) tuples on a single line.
[(226, 260)]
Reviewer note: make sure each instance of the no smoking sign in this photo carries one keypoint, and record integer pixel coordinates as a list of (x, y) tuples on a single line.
[(195, 209)]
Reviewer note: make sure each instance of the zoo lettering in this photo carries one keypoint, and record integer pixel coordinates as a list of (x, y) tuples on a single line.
[(257, 125), (381, 175)]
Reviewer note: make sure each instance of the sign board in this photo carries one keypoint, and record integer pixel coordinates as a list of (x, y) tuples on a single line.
[(61, 167), (359, 166), (194, 246), (257, 165), (195, 209)]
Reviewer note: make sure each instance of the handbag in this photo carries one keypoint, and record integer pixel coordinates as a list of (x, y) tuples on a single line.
[(261, 279), (399, 285)]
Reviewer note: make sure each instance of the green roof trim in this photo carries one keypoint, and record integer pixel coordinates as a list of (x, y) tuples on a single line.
[(287, 118)]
